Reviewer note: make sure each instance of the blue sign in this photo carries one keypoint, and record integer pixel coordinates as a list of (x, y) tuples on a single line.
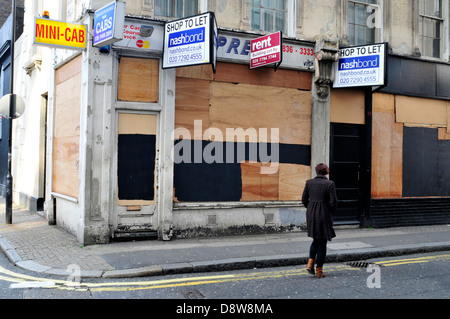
[(187, 37), (190, 41), (107, 27), (361, 66), (367, 62)]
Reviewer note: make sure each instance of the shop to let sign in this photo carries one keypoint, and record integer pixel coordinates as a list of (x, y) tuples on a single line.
[(361, 66), (190, 41), (266, 50), (109, 24), (60, 34)]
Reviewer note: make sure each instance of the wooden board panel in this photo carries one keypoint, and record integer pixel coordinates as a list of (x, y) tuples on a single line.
[(138, 129), (347, 106), (192, 104), (67, 109), (260, 107), (68, 70), (138, 80), (251, 182), (201, 72), (66, 139), (383, 102), (130, 123), (292, 181), (239, 73), (387, 156), (257, 186), (412, 110), (66, 157), (443, 135)]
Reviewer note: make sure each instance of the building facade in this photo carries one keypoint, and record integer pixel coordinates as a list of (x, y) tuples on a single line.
[(5, 80), (134, 149)]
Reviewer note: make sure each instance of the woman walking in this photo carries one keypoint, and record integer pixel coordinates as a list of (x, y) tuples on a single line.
[(320, 200)]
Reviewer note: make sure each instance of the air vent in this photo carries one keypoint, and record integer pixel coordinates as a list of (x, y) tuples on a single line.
[(212, 220), (269, 218)]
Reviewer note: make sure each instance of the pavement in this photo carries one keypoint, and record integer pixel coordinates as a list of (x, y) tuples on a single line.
[(31, 244)]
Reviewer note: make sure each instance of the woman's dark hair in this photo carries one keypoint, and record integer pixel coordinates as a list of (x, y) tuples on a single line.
[(322, 169)]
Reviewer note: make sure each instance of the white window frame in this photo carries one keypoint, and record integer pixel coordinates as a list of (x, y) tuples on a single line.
[(444, 53), (201, 5), (379, 25), (291, 17)]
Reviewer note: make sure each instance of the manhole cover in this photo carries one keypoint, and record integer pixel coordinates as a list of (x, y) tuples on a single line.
[(192, 294), (361, 264)]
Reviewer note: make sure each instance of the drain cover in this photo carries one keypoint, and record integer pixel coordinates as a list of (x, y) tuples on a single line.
[(192, 294), (361, 264)]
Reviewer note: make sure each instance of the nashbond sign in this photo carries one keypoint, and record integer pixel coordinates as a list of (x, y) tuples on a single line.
[(60, 34), (266, 50), (361, 66), (190, 41)]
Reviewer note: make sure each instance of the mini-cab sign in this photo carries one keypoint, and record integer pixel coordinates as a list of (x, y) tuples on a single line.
[(60, 34)]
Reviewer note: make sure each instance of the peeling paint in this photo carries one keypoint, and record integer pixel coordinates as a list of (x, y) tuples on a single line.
[(99, 140)]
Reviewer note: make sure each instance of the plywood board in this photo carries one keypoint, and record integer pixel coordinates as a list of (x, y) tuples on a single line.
[(251, 182), (192, 104), (68, 70), (239, 73), (443, 135), (254, 107), (141, 126), (412, 110), (347, 106), (383, 102), (201, 72), (292, 181), (66, 135), (67, 108), (130, 123), (387, 156), (257, 186), (65, 180), (138, 80)]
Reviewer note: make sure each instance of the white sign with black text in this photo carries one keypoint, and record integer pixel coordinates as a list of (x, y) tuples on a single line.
[(361, 66), (190, 41)]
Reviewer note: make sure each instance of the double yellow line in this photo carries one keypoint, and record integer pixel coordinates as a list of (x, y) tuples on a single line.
[(390, 263), (10, 276)]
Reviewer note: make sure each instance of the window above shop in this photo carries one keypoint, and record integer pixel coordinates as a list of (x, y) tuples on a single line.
[(269, 15), (176, 8), (431, 25), (361, 24)]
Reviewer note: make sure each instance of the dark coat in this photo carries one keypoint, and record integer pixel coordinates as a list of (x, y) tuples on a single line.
[(320, 200)]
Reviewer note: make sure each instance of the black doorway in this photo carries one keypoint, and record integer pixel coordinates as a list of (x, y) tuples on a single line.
[(346, 162)]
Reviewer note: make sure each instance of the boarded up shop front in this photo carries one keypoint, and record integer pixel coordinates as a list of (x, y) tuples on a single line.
[(242, 145), (411, 146)]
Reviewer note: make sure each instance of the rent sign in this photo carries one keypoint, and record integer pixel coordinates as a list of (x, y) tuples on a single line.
[(60, 34), (266, 50)]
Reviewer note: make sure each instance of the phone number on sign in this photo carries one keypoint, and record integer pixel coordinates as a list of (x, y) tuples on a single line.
[(358, 80), (302, 51), (186, 58)]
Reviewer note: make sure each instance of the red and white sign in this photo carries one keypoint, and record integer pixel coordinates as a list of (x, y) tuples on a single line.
[(265, 50)]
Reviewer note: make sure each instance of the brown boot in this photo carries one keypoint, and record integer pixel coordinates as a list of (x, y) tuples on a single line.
[(310, 266), (320, 273)]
